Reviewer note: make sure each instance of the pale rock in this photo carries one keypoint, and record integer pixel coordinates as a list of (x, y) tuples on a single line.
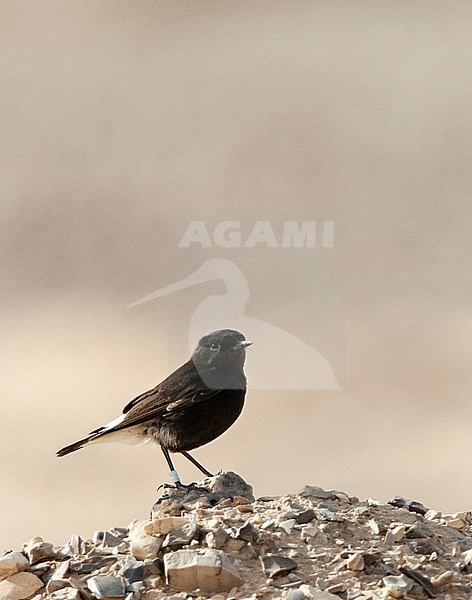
[(295, 595), (19, 586), (239, 500), (209, 569), (107, 539), (58, 579), (456, 522), (443, 580), (317, 594), (342, 496), (12, 563), (37, 549), (355, 562), (180, 537), (269, 524), (310, 531), (145, 546), (233, 545), (389, 538), (287, 525), (165, 525), (216, 538), (245, 508), (433, 514), (66, 593), (467, 557), (142, 545), (397, 586), (56, 584), (398, 533), (374, 526)]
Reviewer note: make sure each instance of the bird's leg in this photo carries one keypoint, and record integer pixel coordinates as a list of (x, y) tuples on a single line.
[(173, 473), (197, 464), (175, 476)]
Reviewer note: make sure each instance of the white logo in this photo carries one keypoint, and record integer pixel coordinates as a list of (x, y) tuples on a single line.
[(278, 359)]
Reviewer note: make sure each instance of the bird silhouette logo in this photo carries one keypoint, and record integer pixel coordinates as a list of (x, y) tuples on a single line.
[(306, 368)]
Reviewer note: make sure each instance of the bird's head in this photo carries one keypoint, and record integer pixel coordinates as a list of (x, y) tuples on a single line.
[(224, 347)]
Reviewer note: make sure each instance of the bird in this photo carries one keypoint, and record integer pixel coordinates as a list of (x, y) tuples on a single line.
[(191, 407), (269, 369)]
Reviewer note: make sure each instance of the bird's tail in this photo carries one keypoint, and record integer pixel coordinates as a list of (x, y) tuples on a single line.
[(107, 433), (75, 446)]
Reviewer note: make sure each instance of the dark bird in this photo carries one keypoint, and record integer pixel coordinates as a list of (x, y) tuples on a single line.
[(193, 406)]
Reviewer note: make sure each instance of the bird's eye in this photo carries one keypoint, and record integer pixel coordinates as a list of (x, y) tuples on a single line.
[(214, 346)]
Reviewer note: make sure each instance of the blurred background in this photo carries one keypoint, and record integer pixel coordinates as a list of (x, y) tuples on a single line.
[(121, 123)]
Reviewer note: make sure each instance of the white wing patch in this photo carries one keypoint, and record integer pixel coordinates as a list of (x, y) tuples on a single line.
[(130, 435), (113, 423)]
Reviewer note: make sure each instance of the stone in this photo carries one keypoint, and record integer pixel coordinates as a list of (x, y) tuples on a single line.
[(247, 533), (374, 526), (142, 544), (443, 580), (56, 584), (107, 586), (245, 508), (397, 585), (37, 549), (317, 594), (19, 586), (58, 579), (295, 595), (328, 515), (275, 565), (132, 570), (180, 537), (165, 525), (411, 505), (355, 562), (420, 579), (230, 485), (107, 539), (233, 545), (216, 538), (145, 546), (398, 533), (11, 563), (456, 522), (67, 593), (287, 525), (135, 586), (305, 516), (239, 500), (466, 557), (316, 492), (91, 563), (210, 570)]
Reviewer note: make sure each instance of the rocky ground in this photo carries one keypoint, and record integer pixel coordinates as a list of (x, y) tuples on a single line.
[(221, 543)]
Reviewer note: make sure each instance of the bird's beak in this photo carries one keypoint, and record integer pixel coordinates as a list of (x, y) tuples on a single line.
[(243, 344)]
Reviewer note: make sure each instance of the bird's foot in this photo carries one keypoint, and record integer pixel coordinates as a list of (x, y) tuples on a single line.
[(178, 485), (190, 487)]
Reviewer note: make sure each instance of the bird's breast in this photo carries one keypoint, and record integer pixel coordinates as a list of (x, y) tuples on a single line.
[(198, 424)]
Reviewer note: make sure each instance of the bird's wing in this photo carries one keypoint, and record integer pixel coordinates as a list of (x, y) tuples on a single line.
[(180, 390)]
